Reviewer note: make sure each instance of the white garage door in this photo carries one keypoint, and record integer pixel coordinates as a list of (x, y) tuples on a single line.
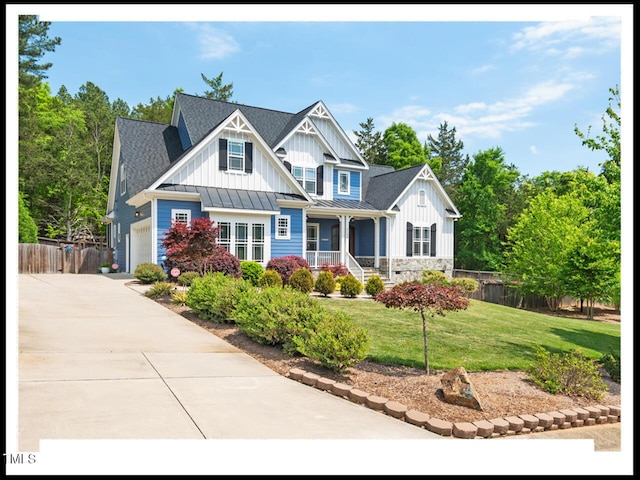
[(140, 243)]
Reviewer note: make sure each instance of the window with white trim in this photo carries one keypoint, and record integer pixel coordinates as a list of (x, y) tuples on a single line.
[(235, 154), (421, 241), (283, 227), (343, 183), (179, 215), (422, 198), (306, 177), (119, 233), (123, 180), (244, 240)]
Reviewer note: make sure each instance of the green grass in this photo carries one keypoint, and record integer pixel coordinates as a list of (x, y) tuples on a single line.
[(485, 336)]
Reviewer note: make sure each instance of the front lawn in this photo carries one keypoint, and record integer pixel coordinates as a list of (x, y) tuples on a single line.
[(485, 336)]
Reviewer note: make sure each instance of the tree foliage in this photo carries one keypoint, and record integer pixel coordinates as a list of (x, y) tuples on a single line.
[(370, 143), (33, 44), (447, 160), (157, 110), (190, 246), (219, 91), (27, 228), (403, 147), (426, 299)]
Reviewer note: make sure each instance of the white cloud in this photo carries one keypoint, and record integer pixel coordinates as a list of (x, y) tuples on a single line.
[(533, 149), (342, 108), (479, 119), (215, 44), (481, 69), (554, 38)]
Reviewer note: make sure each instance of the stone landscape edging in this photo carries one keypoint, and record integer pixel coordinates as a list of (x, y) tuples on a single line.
[(496, 427)]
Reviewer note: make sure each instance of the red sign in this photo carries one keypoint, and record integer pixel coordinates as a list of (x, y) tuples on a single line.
[(114, 266), (175, 272)]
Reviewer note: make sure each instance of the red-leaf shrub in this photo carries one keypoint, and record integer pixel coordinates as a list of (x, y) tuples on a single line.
[(223, 261), (337, 270), (286, 265), (188, 246)]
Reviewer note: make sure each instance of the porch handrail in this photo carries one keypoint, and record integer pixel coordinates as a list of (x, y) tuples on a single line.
[(316, 258), (354, 267)]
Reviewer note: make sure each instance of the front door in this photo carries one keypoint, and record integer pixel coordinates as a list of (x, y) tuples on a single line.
[(352, 241), (312, 237)]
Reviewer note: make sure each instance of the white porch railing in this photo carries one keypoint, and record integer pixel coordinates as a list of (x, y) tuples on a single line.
[(354, 267), (316, 259)]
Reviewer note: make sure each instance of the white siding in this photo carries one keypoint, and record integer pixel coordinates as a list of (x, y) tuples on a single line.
[(305, 150), (203, 170), (424, 216), (333, 138)]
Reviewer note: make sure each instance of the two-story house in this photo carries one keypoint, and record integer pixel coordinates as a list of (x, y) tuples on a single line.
[(275, 184)]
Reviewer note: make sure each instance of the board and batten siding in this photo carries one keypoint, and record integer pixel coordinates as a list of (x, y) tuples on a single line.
[(294, 245), (423, 216), (203, 169), (354, 185), (332, 137), (304, 150)]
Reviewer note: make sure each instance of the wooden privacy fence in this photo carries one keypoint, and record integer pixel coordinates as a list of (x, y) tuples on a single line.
[(62, 258), (492, 289)]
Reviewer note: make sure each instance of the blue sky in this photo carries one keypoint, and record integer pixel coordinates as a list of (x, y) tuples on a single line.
[(499, 80)]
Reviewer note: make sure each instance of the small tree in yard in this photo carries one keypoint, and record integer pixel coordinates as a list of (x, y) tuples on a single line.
[(427, 299), (188, 246)]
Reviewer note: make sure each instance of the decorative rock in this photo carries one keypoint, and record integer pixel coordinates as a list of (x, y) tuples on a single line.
[(495, 435), (309, 378), (570, 415), (458, 390), (464, 430), (500, 425), (510, 433), (558, 418), (341, 389), (357, 396), (324, 383), (612, 418), (538, 429), (578, 423), (296, 373), (523, 431), (601, 419), (515, 423), (545, 420), (441, 427), (376, 402), (530, 421), (395, 409), (564, 425), (485, 428), (416, 417), (604, 411), (553, 427), (589, 421)]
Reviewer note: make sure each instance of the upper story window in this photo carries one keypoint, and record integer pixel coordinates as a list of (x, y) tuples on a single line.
[(343, 183), (180, 215), (123, 180), (422, 198), (235, 156), (306, 177)]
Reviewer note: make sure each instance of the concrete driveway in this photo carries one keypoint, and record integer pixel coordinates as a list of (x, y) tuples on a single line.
[(98, 360)]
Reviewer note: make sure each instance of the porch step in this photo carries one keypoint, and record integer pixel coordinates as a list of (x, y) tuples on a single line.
[(370, 272)]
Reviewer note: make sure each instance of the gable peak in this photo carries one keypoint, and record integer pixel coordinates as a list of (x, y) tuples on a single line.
[(320, 111)]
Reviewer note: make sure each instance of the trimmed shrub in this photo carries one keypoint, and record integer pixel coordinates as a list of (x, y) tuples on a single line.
[(435, 277), (159, 289), (214, 296), (286, 265), (251, 271), (569, 373), (325, 283), (374, 285), (224, 262), (350, 286), (149, 273), (270, 278), (186, 279), (333, 341), (611, 363), (274, 315), (467, 285), (337, 270), (302, 280)]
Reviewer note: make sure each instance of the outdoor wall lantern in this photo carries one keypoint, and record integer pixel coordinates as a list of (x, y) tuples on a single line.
[(138, 213)]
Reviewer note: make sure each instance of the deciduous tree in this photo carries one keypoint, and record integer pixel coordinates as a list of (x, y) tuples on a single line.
[(402, 146)]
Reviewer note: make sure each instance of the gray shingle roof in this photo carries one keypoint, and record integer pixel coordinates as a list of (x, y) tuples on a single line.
[(213, 197), (344, 204), (384, 189), (146, 149)]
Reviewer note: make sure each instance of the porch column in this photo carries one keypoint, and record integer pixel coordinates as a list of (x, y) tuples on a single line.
[(344, 237), (376, 242)]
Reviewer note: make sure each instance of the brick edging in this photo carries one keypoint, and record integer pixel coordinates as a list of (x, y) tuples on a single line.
[(496, 427)]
